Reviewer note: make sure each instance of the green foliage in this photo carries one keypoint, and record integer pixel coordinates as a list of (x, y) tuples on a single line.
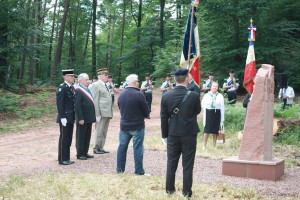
[(289, 112), (288, 136), (28, 105), (9, 102), (234, 118)]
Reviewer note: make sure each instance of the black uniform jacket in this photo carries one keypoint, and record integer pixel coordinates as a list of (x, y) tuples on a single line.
[(84, 108), (65, 99), (184, 123)]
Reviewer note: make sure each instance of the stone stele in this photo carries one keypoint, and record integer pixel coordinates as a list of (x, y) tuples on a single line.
[(255, 159)]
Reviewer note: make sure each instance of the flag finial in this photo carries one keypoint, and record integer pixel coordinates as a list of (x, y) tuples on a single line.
[(195, 3), (251, 32)]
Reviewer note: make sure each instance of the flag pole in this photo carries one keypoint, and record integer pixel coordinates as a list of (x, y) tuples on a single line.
[(190, 39)]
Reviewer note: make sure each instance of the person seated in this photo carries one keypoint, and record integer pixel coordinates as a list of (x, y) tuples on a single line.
[(287, 95)]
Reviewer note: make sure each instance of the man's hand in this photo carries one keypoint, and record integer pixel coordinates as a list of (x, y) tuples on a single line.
[(165, 141), (98, 118), (81, 122), (222, 125), (63, 121)]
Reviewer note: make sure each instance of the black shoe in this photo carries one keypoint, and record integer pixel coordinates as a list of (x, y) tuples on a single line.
[(170, 192), (98, 151), (104, 151), (82, 158), (187, 194), (89, 156), (68, 162)]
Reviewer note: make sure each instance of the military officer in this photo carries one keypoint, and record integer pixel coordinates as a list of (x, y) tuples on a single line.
[(179, 127), (103, 109), (65, 97)]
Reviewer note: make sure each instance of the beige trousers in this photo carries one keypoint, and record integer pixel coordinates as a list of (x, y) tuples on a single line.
[(101, 132)]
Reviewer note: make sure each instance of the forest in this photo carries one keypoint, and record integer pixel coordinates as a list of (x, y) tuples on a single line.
[(39, 38)]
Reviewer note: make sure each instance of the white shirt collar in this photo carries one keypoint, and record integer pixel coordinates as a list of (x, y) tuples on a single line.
[(68, 83)]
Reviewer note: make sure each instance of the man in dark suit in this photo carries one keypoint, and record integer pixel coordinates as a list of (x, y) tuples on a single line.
[(85, 117), (179, 110), (192, 85), (65, 107)]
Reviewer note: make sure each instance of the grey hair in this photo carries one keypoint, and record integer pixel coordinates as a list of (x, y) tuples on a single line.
[(130, 79), (81, 76)]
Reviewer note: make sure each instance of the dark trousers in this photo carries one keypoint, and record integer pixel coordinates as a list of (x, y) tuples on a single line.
[(65, 141), (231, 97), (175, 147), (83, 137), (148, 96), (113, 99)]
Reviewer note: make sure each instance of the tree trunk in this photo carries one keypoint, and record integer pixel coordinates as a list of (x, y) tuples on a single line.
[(32, 44), (122, 43), (162, 13), (87, 40), (25, 41), (3, 43), (51, 38), (108, 41), (70, 57), (39, 28), (59, 43), (94, 38)]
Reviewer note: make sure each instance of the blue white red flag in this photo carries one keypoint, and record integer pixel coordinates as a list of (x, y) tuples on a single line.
[(250, 69), (251, 33), (194, 65)]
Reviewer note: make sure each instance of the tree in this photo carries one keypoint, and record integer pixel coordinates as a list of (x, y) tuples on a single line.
[(58, 51)]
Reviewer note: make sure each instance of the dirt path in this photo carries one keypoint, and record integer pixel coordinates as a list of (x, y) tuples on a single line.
[(35, 151)]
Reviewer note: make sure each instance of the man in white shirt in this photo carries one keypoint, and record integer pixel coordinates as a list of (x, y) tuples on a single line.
[(208, 82), (287, 95), (146, 89), (167, 85), (231, 85)]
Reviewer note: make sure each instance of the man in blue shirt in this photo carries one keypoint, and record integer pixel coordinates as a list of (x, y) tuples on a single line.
[(134, 109)]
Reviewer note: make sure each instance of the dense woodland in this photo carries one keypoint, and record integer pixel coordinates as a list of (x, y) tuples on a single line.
[(38, 38)]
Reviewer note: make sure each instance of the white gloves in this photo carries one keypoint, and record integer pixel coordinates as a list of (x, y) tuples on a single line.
[(63, 121), (98, 118), (165, 141)]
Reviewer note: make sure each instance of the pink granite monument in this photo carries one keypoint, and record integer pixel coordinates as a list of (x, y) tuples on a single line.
[(255, 159)]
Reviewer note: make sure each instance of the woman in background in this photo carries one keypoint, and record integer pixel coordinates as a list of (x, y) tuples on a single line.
[(213, 113)]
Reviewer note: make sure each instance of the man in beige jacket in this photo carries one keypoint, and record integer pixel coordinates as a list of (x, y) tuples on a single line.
[(103, 108)]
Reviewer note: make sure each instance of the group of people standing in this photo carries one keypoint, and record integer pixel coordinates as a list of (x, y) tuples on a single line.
[(180, 106), (78, 104)]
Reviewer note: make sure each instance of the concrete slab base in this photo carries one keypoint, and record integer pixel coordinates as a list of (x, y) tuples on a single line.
[(266, 170)]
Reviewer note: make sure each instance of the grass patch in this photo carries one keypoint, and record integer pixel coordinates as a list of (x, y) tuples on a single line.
[(117, 186), (19, 112), (286, 144)]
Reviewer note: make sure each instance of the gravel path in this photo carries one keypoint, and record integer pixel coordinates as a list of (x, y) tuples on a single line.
[(35, 151)]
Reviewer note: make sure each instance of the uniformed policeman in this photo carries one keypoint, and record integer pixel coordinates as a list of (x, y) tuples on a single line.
[(65, 98), (167, 85), (179, 110), (146, 89)]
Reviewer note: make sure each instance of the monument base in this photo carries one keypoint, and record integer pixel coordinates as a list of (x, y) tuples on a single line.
[(266, 170)]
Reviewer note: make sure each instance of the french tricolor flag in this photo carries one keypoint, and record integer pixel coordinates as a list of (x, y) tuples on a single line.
[(250, 69)]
